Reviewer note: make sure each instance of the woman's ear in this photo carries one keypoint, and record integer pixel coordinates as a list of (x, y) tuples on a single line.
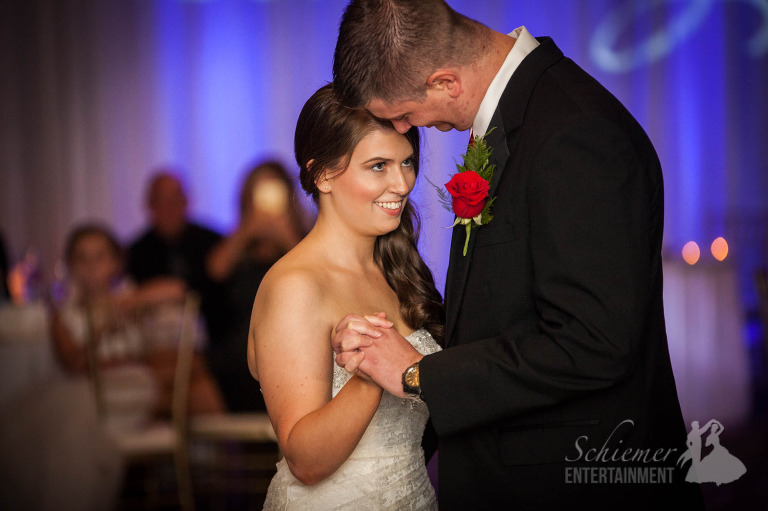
[(323, 182)]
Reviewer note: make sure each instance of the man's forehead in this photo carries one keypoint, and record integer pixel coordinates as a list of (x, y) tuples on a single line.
[(386, 110)]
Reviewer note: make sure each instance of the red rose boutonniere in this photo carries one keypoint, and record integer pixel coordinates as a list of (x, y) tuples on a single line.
[(468, 189)]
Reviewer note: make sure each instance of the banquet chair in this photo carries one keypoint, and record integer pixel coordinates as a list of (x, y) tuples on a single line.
[(242, 453), (149, 449)]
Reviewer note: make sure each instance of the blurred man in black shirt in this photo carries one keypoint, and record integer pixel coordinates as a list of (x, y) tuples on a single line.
[(173, 247)]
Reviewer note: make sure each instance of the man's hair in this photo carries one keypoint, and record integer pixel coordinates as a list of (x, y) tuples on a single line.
[(388, 48), (160, 175)]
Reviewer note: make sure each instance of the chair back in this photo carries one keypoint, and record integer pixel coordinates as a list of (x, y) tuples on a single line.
[(185, 348), (173, 435), (184, 360), (180, 397), (91, 352)]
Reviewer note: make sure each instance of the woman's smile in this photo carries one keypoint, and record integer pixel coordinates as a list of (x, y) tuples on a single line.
[(391, 208)]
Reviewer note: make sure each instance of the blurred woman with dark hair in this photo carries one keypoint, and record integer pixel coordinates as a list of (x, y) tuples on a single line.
[(271, 223)]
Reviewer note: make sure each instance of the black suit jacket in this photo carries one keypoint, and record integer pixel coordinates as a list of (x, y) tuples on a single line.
[(556, 341)]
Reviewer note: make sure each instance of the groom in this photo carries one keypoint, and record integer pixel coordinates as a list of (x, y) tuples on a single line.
[(555, 389)]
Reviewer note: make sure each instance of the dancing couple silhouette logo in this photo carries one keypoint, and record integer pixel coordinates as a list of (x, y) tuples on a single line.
[(710, 462)]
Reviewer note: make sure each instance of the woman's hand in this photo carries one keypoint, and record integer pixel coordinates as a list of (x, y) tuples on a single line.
[(369, 345)]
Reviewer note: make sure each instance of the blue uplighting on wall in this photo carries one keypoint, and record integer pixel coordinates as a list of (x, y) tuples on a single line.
[(232, 76)]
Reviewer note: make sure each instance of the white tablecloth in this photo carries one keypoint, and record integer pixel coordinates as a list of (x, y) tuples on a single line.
[(26, 353), (54, 451), (706, 343)]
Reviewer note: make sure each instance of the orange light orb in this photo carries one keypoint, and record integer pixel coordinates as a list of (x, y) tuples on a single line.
[(691, 252), (719, 248)]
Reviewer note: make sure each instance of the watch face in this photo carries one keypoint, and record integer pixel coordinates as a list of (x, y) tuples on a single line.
[(412, 377)]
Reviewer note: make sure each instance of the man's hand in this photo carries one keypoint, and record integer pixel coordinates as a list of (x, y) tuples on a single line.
[(370, 345)]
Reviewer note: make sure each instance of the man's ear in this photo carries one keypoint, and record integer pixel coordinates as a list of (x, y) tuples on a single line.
[(445, 80)]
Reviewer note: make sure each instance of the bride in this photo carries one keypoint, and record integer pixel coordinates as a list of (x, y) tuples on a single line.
[(346, 443)]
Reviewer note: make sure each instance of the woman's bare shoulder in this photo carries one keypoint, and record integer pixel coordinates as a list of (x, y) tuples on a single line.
[(290, 299), (294, 276), (294, 288)]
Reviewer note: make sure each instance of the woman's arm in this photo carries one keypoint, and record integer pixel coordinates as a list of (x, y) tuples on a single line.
[(289, 352), (271, 229), (223, 257), (151, 292)]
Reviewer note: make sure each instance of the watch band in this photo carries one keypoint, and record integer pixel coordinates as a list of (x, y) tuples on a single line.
[(411, 383)]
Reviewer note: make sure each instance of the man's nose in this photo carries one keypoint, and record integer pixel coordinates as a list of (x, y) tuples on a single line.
[(401, 125)]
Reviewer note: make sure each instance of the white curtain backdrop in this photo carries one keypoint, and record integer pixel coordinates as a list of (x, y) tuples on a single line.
[(96, 94)]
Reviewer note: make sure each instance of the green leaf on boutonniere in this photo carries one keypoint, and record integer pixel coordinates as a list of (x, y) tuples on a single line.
[(477, 158), (486, 214), (463, 196), (443, 197)]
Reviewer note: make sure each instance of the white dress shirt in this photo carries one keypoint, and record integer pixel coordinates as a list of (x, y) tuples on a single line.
[(524, 45)]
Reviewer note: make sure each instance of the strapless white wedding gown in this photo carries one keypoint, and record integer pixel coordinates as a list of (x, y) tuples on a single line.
[(386, 470)]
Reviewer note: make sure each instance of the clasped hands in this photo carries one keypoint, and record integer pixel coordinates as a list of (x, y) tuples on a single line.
[(367, 345)]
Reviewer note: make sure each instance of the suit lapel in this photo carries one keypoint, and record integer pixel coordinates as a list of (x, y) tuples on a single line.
[(498, 141), (506, 119), (458, 265)]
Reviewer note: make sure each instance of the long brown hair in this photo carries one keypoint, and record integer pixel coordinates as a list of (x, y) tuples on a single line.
[(326, 134)]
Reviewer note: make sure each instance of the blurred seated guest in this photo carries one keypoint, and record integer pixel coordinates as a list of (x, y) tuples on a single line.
[(55, 453), (271, 223), (136, 371), (173, 248)]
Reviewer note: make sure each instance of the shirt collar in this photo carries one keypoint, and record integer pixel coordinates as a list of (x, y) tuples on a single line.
[(524, 45)]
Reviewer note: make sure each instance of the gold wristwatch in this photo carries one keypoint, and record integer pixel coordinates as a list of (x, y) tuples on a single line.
[(411, 385)]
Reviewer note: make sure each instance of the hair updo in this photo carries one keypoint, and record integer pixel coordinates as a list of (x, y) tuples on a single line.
[(326, 134)]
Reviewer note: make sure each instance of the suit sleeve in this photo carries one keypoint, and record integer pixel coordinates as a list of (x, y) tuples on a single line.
[(591, 199)]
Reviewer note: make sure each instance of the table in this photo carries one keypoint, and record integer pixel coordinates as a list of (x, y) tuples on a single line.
[(26, 353), (705, 334)]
